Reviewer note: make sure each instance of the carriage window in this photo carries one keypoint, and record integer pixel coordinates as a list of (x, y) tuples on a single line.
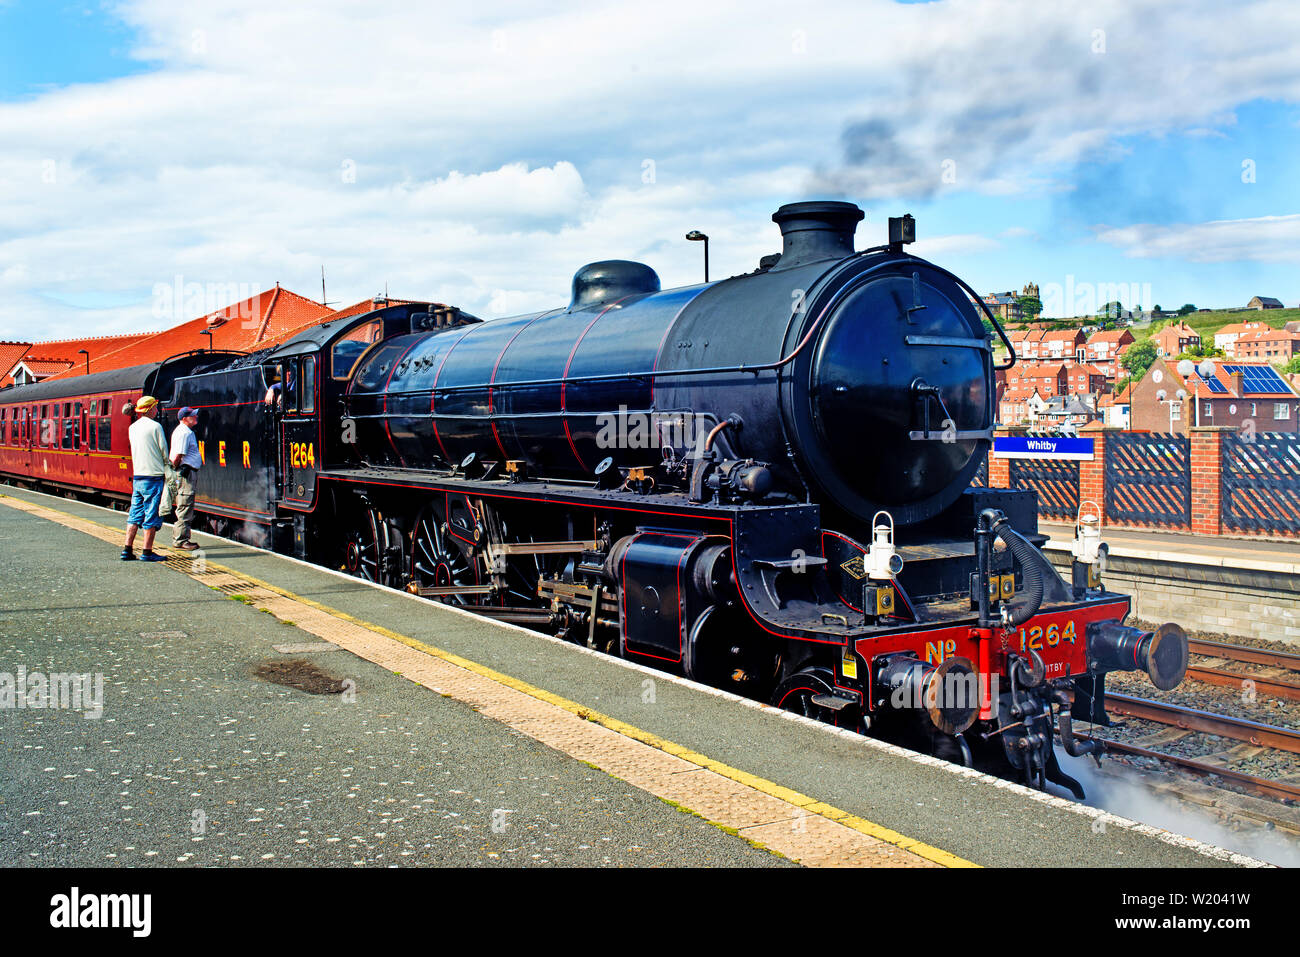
[(309, 384), (67, 434), (105, 434), (78, 426)]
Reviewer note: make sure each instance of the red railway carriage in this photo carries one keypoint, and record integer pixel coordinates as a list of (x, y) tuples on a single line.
[(71, 434)]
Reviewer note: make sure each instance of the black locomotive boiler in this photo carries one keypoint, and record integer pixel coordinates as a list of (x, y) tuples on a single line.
[(762, 483)]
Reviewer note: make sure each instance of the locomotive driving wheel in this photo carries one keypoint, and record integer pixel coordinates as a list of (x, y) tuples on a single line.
[(438, 562), (796, 693), (365, 546)]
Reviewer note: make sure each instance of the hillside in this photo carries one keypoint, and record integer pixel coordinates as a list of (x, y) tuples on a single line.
[(1208, 323)]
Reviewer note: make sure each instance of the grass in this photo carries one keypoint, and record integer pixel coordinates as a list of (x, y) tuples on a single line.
[(1208, 323)]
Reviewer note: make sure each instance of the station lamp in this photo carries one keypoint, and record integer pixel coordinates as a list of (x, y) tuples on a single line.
[(696, 236)]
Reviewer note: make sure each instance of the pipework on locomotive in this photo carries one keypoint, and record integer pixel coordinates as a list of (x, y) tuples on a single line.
[(763, 483)]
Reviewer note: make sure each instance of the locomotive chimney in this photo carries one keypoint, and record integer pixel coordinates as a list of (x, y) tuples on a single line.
[(816, 230)]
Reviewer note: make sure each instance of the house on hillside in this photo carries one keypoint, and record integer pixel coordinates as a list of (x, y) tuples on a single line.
[(1264, 302), (1176, 339), (1020, 406), (1114, 408), (1227, 336), (1106, 345), (1062, 344), (1163, 401), (1272, 345)]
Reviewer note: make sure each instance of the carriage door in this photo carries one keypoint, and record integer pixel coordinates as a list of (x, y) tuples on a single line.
[(299, 428)]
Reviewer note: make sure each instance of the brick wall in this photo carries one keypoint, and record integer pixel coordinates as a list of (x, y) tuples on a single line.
[(1208, 599), (1206, 480)]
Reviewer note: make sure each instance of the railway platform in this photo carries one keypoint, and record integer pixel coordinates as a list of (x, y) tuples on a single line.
[(441, 738)]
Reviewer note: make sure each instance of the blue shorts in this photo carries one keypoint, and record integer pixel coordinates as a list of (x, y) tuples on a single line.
[(146, 493)]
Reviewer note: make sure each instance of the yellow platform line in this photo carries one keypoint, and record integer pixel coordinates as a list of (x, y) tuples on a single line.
[(779, 792)]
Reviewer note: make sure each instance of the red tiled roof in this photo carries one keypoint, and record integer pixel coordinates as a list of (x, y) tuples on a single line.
[(1268, 335), (1063, 334), (43, 367), (10, 353), (255, 323), (1108, 335), (1240, 327), (1193, 386)]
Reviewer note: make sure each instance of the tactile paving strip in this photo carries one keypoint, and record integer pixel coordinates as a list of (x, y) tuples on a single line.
[(781, 820)]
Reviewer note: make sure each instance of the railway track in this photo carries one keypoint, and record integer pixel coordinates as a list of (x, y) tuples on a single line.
[(1207, 722), (1179, 718), (1275, 685)]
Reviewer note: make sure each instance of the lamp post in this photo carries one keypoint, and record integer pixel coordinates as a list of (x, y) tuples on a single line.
[(208, 333), (86, 353), (1203, 371), (696, 236)]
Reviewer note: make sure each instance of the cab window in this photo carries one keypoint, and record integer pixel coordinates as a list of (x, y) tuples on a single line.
[(348, 350), (291, 385), (308, 384)]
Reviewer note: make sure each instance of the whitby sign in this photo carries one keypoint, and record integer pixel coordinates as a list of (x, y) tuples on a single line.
[(1043, 447)]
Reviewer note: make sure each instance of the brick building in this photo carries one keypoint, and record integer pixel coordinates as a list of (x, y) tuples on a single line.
[(1264, 302), (1235, 393), (1020, 406), (1175, 340), (1056, 378), (1226, 337), (1271, 345)]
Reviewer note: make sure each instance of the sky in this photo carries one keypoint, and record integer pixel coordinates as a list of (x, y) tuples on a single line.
[(478, 154)]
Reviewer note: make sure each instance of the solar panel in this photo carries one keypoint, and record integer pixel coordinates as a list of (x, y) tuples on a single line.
[(1256, 379), (1215, 385)]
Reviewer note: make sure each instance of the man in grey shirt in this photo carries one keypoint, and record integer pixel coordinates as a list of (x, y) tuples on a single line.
[(186, 460)]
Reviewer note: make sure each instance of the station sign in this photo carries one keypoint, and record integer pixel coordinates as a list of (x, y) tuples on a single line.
[(1043, 447)]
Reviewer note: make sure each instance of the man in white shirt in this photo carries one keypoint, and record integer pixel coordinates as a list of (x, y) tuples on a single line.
[(186, 460), (148, 463)]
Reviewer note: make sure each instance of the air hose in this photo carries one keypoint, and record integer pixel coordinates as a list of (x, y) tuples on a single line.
[(1031, 560)]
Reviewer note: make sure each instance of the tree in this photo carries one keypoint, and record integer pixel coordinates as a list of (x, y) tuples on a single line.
[(1292, 367), (1139, 358), (1112, 310), (1030, 307), (1186, 309), (1155, 309)]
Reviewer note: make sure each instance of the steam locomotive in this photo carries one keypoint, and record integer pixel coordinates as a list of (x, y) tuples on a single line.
[(762, 483)]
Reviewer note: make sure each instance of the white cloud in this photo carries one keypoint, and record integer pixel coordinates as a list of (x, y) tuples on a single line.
[(1272, 239), (481, 154)]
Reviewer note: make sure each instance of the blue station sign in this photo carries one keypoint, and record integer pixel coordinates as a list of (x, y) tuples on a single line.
[(1043, 447)]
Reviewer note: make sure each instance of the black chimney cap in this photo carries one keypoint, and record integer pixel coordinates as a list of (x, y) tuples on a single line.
[(815, 230)]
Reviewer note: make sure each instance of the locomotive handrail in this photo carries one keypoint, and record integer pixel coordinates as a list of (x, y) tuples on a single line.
[(1011, 350)]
